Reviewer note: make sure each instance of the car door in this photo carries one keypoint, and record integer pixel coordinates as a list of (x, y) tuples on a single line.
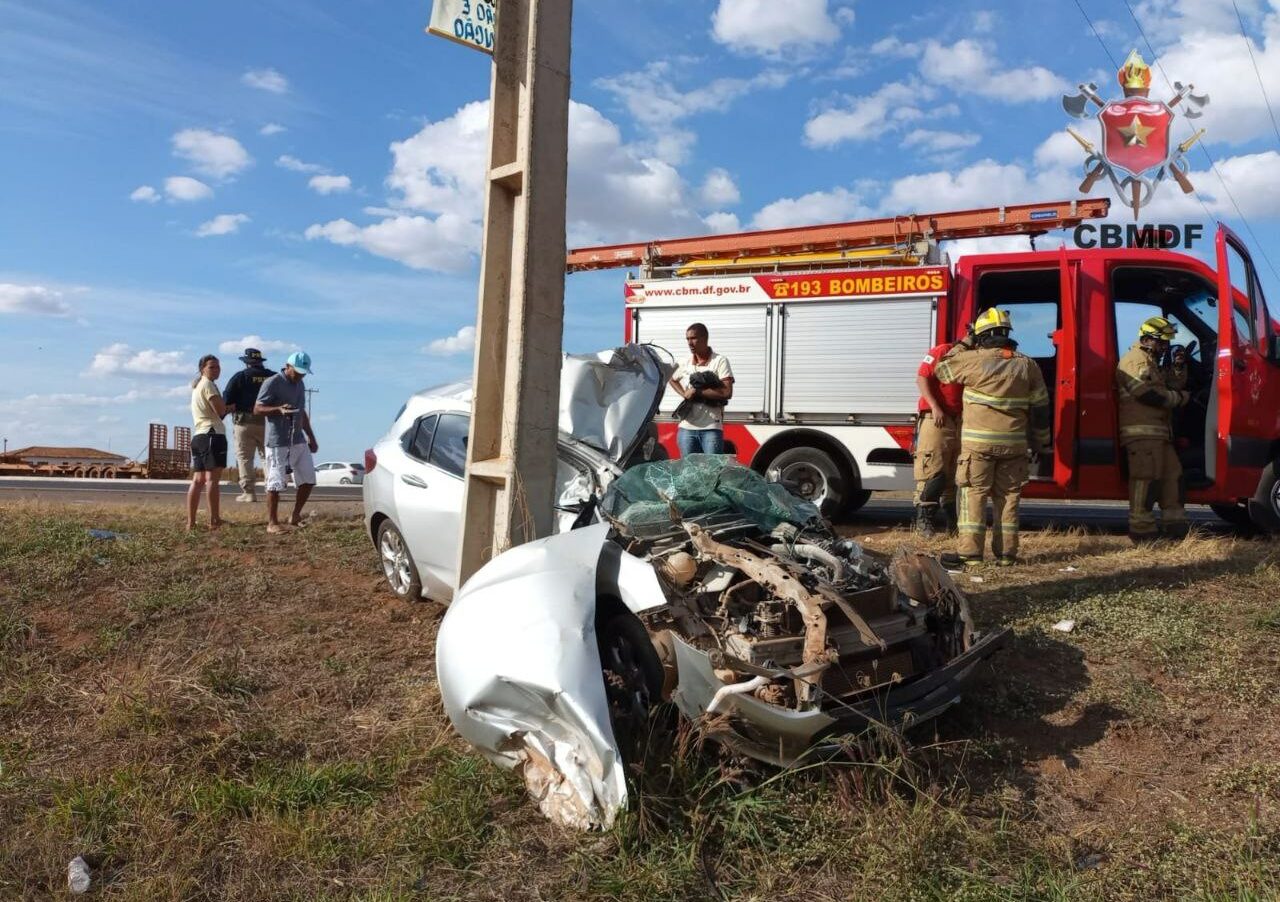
[(1243, 436), (410, 488), (429, 499)]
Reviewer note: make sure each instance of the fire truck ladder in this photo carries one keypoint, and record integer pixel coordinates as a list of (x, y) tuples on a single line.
[(899, 239)]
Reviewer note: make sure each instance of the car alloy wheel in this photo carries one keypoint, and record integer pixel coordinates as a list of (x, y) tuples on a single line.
[(344, 481), (397, 565)]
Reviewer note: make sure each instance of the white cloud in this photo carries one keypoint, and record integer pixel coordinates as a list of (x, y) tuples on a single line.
[(938, 142), (866, 118), (120, 359), (271, 128), (448, 243), (768, 28), (265, 345), (1059, 149), (722, 223), (329, 184), (144, 194), (185, 188), (464, 342), (432, 219), (968, 66), (719, 190), (894, 46), (210, 153), (652, 98), (292, 163), (984, 21), (1218, 65), (266, 80), (222, 224), (34, 299), (836, 205)]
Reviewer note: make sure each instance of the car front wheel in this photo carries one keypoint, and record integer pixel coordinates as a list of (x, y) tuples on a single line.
[(344, 481), (397, 563)]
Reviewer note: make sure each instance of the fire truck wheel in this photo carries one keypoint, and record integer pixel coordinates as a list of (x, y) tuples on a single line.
[(813, 475), (856, 501), (1264, 506), (1235, 513)]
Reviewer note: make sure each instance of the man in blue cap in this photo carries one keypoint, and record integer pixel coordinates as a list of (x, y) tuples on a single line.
[(290, 441)]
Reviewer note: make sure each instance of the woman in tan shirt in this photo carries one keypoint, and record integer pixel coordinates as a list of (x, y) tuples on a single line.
[(208, 442)]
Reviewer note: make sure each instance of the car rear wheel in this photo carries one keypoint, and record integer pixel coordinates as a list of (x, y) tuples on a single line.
[(397, 563), (812, 474), (345, 480)]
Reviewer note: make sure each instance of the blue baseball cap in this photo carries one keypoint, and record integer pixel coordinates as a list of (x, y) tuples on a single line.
[(300, 361)]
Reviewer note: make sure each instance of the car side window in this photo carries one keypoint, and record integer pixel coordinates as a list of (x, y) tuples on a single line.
[(449, 448), (416, 440)]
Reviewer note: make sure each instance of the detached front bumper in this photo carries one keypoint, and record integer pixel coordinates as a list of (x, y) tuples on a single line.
[(780, 735)]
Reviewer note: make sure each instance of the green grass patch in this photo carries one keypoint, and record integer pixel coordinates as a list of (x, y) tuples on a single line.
[(293, 787)]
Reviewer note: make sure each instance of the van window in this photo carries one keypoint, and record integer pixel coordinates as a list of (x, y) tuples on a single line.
[(1031, 298)]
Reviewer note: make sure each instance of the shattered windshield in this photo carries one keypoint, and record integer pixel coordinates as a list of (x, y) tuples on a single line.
[(698, 486)]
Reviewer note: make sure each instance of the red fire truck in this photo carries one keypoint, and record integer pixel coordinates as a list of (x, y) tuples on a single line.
[(825, 325)]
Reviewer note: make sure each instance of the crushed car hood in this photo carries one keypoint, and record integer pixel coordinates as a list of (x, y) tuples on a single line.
[(607, 399)]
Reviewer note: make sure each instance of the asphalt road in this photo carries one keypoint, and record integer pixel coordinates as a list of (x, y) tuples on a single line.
[(151, 491), (879, 512), (1107, 516)]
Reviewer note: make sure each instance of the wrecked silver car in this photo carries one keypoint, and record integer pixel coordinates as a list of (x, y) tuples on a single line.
[(711, 588)]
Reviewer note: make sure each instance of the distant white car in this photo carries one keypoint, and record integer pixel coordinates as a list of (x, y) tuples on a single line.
[(413, 474), (339, 473)]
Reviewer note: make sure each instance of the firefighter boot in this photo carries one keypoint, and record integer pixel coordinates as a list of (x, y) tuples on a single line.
[(949, 517), (926, 520)]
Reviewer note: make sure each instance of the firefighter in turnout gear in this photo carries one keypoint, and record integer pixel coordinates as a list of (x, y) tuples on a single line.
[(1006, 413), (937, 445), (1149, 394)]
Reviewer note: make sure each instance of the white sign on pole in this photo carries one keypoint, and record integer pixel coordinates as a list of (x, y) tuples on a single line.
[(469, 22)]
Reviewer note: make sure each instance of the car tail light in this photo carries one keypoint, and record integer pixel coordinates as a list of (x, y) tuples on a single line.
[(370, 460)]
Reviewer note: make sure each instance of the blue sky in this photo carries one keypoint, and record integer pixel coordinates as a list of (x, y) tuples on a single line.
[(178, 178)]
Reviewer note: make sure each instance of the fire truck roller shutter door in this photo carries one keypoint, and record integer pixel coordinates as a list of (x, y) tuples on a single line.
[(740, 333), (854, 357)]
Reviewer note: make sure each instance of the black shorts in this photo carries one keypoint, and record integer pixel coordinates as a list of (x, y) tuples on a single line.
[(208, 452)]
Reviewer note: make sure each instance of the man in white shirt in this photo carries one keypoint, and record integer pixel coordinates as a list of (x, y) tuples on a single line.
[(705, 381)]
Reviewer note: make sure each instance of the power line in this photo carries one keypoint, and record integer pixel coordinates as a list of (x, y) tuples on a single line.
[(1256, 71), (1101, 42)]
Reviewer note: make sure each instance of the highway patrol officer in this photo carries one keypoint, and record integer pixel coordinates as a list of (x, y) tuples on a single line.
[(1006, 407), (1148, 394), (250, 430)]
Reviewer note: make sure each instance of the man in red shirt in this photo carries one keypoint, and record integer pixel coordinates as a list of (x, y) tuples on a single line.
[(937, 444)]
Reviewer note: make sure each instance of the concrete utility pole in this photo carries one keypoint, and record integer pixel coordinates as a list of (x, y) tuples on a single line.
[(511, 451)]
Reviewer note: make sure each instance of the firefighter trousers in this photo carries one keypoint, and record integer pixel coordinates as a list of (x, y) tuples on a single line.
[(937, 447), (999, 474), (1155, 474)]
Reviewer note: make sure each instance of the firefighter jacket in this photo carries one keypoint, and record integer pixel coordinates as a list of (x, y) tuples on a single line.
[(1147, 398), (1006, 404)]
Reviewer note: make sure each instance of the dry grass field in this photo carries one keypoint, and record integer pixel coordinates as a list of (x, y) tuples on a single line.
[(243, 717)]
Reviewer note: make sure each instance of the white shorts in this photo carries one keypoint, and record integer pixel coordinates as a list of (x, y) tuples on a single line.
[(297, 457)]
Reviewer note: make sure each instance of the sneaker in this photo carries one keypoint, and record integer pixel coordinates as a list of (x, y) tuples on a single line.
[(246, 497)]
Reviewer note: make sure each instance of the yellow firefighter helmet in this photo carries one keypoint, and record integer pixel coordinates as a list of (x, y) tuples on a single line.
[(1157, 327), (991, 318)]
